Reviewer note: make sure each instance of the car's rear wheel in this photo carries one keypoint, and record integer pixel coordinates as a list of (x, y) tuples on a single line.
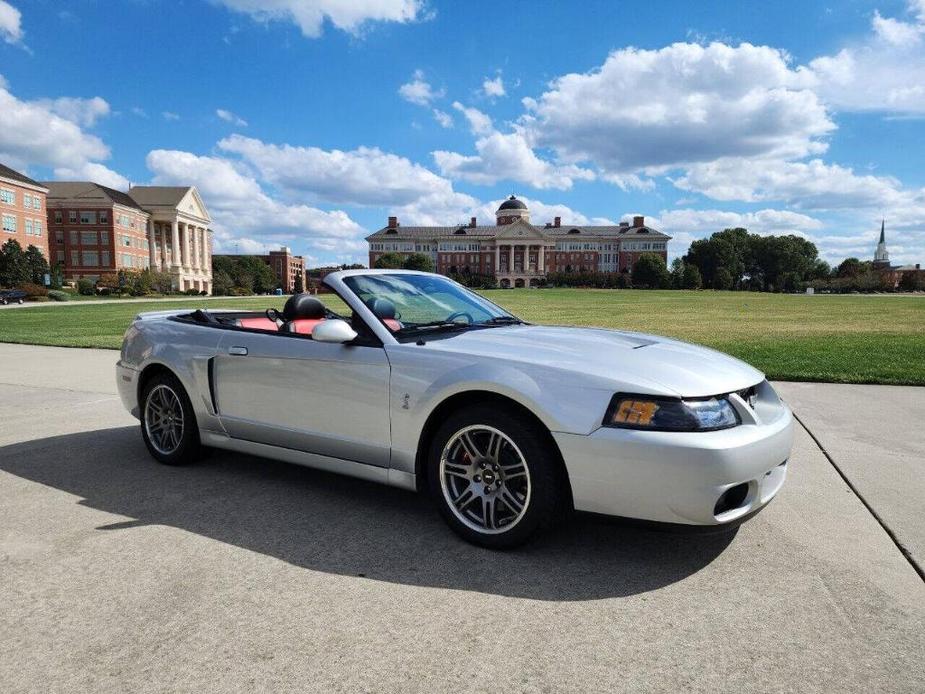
[(19, 301), (493, 476), (168, 423)]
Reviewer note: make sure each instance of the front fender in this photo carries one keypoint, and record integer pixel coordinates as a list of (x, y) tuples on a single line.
[(419, 386)]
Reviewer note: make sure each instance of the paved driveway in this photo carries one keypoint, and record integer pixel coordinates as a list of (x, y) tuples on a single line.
[(240, 574)]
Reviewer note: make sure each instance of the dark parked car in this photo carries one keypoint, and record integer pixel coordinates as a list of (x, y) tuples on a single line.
[(9, 296)]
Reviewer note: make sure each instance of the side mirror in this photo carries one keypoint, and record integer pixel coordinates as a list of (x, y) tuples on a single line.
[(333, 330)]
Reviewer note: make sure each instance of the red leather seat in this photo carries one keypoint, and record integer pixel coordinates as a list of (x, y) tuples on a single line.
[(392, 324), (303, 326), (258, 324)]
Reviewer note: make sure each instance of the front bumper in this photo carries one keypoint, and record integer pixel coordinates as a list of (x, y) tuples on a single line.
[(679, 477), (127, 385)]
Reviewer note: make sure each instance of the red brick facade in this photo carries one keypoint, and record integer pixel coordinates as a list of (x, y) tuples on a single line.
[(22, 211)]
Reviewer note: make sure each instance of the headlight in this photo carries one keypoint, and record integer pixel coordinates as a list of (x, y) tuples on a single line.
[(667, 414)]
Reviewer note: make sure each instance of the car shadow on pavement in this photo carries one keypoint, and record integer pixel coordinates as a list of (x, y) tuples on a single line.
[(327, 522)]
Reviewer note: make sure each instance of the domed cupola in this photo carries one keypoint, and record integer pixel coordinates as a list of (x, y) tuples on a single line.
[(512, 210)]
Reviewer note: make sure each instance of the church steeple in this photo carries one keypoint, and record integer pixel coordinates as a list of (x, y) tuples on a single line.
[(882, 256)]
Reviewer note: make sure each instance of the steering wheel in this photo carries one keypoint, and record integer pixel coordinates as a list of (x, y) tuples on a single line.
[(274, 315), (460, 314)]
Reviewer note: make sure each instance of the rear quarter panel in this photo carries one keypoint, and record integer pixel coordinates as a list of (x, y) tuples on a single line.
[(184, 349)]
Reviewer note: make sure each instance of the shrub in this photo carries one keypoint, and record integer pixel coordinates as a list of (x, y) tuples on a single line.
[(33, 290), (58, 295), (191, 292), (37, 299), (86, 287)]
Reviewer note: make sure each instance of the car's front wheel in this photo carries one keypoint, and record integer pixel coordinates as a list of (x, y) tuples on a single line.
[(493, 476), (168, 423)]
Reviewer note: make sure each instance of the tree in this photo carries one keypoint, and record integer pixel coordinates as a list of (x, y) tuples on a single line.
[(690, 279), (722, 279), (222, 284), (14, 269), (650, 271), (850, 267), (911, 281), (677, 273), (297, 286), (389, 261), (418, 261), (708, 255), (37, 265)]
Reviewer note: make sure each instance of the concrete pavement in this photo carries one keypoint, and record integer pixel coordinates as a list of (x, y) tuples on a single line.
[(875, 435), (244, 574)]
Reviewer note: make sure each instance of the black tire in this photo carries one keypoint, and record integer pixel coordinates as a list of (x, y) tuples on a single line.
[(530, 444), (19, 301), (184, 448), (4, 302)]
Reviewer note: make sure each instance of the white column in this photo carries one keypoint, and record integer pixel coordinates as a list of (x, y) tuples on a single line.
[(195, 242), (541, 259), (497, 258), (206, 260), (175, 244), (186, 248)]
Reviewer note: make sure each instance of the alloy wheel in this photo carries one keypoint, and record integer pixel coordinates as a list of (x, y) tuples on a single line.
[(485, 479), (164, 419)]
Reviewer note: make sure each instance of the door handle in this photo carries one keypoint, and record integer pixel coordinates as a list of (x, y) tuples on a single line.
[(238, 351)]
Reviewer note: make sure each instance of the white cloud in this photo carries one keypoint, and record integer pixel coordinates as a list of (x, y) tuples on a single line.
[(346, 15), (83, 112), (443, 118), (682, 104), (50, 132), (363, 176), (882, 72), (244, 214), (493, 87), (479, 123), (896, 32), (419, 91), (767, 221), (10, 23), (170, 115), (140, 112), (508, 157), (92, 171), (230, 117)]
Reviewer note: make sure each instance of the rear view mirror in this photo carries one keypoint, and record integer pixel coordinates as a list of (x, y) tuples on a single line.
[(333, 330)]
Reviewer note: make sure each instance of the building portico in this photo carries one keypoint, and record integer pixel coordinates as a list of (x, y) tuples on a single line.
[(180, 236)]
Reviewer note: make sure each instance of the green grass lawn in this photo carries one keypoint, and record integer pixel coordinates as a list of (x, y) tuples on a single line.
[(852, 339)]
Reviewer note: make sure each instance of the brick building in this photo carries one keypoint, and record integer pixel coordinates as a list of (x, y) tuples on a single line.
[(93, 230), (22, 210), (518, 253), (287, 267)]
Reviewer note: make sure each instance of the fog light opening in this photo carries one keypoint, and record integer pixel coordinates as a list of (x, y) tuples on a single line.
[(732, 498)]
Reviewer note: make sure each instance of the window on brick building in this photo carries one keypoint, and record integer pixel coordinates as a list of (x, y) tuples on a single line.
[(88, 238), (7, 196), (104, 217), (75, 258), (59, 237), (36, 202), (90, 258), (28, 226), (9, 223), (104, 258), (58, 217), (72, 216)]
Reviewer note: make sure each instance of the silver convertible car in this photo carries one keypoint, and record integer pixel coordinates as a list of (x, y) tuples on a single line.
[(425, 385)]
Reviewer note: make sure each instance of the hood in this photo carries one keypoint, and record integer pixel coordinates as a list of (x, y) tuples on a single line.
[(654, 364)]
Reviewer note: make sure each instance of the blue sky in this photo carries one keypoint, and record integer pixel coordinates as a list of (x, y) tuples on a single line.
[(308, 122)]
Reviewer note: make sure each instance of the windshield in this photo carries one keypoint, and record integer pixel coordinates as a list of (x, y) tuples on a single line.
[(411, 304)]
